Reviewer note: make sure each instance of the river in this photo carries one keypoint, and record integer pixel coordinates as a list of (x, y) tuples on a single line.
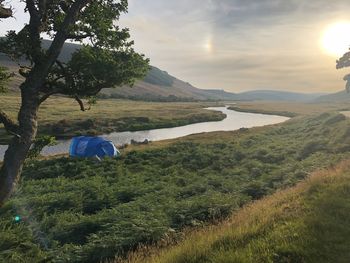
[(234, 121)]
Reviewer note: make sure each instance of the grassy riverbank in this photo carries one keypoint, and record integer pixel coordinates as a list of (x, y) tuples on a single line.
[(263, 111), (82, 211), (307, 223), (289, 109), (61, 117)]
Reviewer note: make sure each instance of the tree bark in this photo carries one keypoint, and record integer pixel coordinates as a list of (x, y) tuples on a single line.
[(19, 146)]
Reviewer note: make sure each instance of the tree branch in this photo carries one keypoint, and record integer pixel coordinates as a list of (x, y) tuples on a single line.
[(68, 77), (43, 6), (81, 104), (24, 71), (61, 36), (10, 125), (60, 64), (5, 12), (47, 95), (79, 37), (64, 6), (51, 91), (30, 4), (34, 30)]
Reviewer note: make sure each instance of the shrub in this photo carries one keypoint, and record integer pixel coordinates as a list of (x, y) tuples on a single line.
[(312, 147)]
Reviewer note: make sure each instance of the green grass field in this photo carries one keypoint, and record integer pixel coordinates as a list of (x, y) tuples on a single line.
[(61, 117), (289, 109), (82, 211), (307, 223)]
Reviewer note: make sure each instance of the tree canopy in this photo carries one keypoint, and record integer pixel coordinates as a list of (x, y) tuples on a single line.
[(106, 59), (344, 62)]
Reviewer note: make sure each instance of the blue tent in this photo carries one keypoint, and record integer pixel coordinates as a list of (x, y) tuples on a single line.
[(84, 146)]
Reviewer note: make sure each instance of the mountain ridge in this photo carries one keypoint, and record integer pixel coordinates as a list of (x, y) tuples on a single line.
[(159, 85)]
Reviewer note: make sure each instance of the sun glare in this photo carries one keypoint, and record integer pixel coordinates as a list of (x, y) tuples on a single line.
[(336, 39)]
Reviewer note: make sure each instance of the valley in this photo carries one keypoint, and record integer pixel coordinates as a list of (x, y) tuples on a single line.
[(174, 131)]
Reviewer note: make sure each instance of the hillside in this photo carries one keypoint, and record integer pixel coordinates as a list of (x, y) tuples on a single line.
[(159, 85), (307, 223), (340, 96), (273, 95)]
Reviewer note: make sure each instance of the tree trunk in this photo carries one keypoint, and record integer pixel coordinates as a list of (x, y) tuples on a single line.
[(28, 124), (27, 117), (19, 146)]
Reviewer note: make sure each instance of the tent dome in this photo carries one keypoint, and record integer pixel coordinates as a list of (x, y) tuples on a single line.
[(85, 146)]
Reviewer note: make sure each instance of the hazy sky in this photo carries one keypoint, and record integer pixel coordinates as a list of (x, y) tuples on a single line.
[(236, 45)]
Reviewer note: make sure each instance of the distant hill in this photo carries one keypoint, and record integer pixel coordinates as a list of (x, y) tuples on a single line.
[(159, 85), (278, 95), (334, 97)]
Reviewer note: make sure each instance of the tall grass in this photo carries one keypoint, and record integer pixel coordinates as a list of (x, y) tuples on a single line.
[(77, 210), (306, 223)]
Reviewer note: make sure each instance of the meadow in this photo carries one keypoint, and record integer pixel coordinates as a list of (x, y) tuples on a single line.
[(289, 109), (306, 223), (61, 117), (78, 210)]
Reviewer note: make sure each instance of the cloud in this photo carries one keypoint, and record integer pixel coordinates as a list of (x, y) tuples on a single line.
[(237, 44), (256, 43)]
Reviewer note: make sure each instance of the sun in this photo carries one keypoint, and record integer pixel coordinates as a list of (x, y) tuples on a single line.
[(336, 39)]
